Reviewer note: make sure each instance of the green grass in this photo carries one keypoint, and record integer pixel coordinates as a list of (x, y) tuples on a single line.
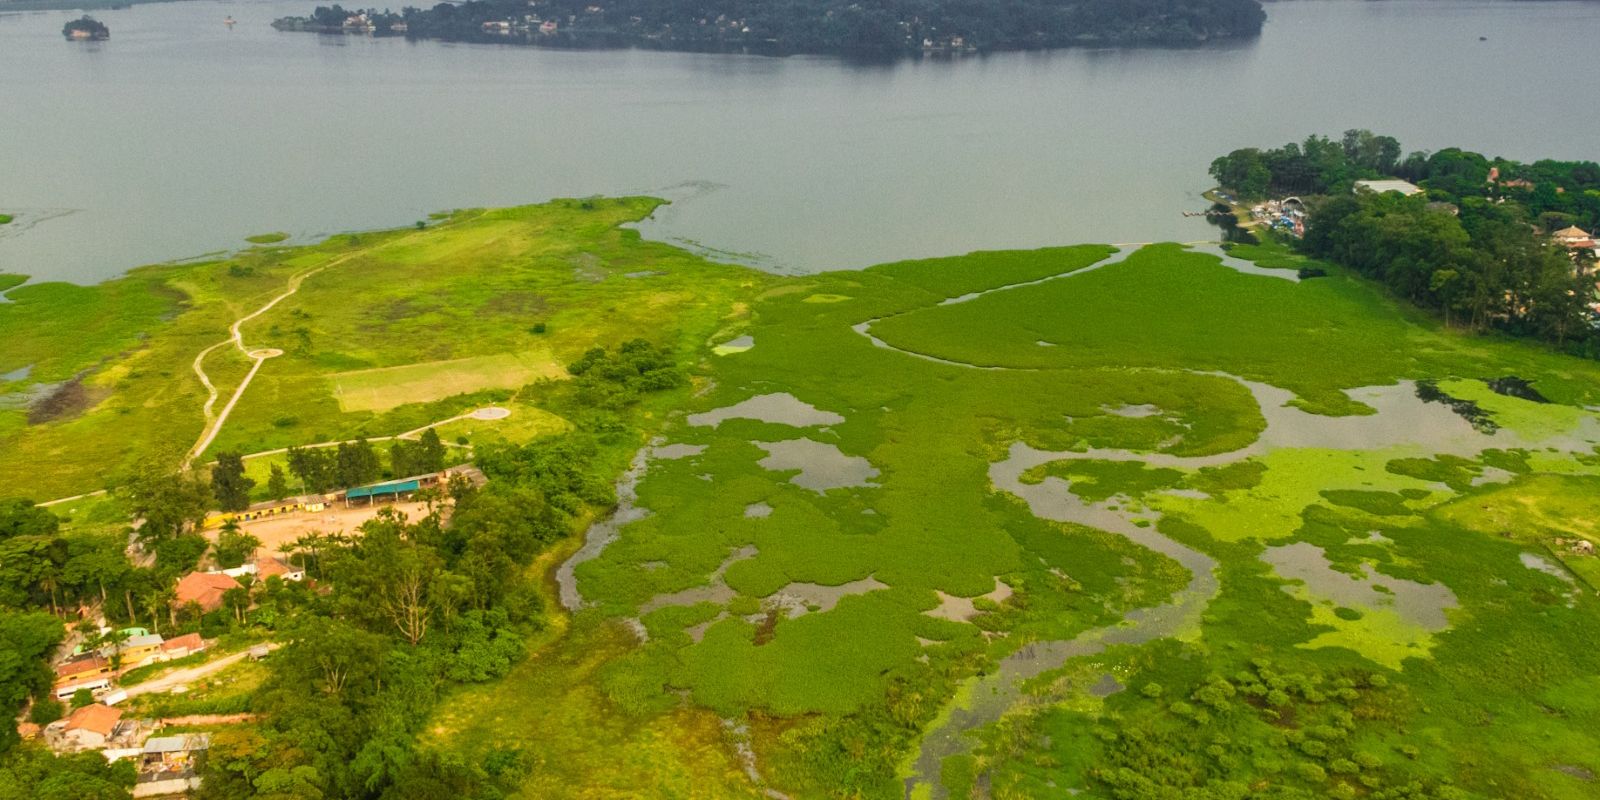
[(266, 238), (11, 281), (385, 388), (5, 219), (837, 701), (1166, 306), (481, 276)]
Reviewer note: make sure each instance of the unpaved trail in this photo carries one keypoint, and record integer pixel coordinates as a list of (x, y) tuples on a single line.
[(189, 675), (236, 338)]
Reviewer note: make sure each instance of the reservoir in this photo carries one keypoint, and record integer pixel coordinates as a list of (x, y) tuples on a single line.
[(181, 135)]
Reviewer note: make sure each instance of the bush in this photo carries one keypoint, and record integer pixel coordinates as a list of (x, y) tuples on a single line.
[(46, 711)]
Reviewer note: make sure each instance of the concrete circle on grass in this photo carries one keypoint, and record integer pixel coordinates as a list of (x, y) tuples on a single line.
[(492, 412)]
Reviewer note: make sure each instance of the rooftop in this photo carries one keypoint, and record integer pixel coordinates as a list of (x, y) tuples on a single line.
[(177, 744), (205, 588), (81, 665), (375, 490), (96, 717), (188, 640), (1406, 188)]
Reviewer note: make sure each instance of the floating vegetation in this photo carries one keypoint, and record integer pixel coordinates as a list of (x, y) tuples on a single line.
[(1512, 386), (1483, 421)]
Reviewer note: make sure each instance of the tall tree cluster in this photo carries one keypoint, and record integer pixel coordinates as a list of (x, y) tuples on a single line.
[(413, 606), (1474, 246)]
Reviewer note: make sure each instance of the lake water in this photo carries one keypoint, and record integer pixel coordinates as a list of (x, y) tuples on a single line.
[(180, 136)]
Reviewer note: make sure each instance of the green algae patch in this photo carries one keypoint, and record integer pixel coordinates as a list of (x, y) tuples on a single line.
[(1291, 480), (1535, 422), (267, 238)]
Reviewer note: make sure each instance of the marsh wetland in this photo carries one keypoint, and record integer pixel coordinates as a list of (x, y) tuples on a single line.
[(1227, 535)]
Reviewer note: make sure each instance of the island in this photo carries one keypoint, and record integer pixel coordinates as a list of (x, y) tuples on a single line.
[(86, 28), (815, 26)]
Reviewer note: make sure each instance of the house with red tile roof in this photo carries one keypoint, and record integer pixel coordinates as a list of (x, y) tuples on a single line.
[(204, 589), (82, 669), (91, 726), (184, 645)]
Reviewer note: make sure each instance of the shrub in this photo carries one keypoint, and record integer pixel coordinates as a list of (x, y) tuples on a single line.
[(46, 711)]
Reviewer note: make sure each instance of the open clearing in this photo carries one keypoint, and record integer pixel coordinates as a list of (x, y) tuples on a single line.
[(385, 388)]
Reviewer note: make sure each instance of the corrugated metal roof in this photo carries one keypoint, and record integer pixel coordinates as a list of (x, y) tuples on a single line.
[(396, 487)]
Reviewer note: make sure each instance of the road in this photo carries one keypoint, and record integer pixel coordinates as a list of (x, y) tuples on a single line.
[(188, 675)]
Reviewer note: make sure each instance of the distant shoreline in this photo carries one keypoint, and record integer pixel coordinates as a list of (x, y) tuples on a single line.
[(817, 27), (13, 6)]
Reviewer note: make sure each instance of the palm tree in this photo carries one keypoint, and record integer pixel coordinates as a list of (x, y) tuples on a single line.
[(154, 602)]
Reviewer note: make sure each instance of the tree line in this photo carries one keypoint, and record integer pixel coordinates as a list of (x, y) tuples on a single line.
[(1474, 246), (817, 26)]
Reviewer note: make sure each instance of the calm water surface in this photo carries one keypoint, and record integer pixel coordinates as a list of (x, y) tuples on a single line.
[(180, 136)]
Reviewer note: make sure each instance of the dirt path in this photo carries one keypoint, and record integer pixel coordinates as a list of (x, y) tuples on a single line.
[(411, 434), (215, 422), (189, 675), (236, 338)]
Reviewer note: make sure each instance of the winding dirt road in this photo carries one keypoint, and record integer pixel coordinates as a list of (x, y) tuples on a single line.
[(215, 421)]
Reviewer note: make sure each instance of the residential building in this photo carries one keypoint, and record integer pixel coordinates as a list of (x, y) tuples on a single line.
[(89, 727), (180, 646), (204, 589), (82, 669), (136, 650)]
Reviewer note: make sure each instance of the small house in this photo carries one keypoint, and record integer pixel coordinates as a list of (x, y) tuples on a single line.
[(136, 650), (269, 567), (204, 589), (90, 727), (82, 669), (178, 647)]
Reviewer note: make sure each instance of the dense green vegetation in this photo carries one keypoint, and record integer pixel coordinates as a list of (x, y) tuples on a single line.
[(1207, 587), (1551, 194), (820, 26), (1467, 247)]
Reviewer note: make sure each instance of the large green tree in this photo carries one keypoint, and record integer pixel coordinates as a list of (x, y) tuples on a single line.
[(229, 483), (169, 503), (26, 640), (20, 517)]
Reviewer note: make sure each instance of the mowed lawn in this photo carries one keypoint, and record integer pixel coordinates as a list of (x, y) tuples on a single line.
[(389, 387)]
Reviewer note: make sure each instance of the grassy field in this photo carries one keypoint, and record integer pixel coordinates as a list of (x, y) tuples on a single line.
[(385, 388), (266, 238), (400, 329), (1375, 624)]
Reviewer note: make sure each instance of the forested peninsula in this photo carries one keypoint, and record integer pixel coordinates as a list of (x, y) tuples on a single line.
[(876, 27), (1489, 243)]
